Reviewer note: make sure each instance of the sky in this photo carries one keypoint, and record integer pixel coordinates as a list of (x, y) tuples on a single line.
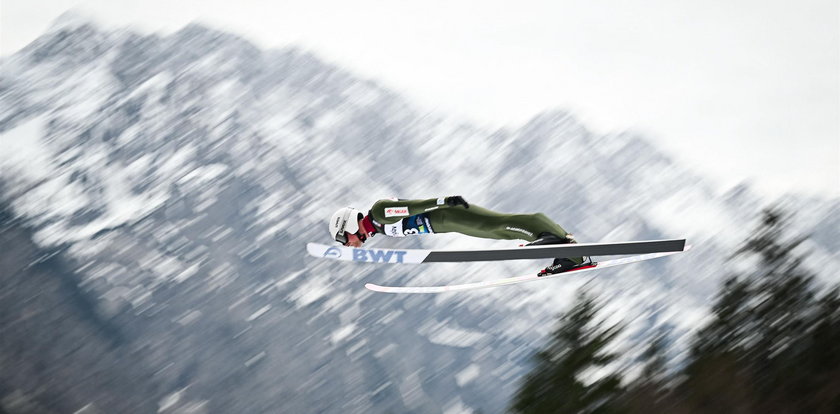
[(744, 90)]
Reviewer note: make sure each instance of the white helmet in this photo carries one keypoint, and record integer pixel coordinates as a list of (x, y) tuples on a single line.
[(346, 219)]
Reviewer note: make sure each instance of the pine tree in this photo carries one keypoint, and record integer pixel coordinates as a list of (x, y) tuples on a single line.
[(715, 380), (823, 361), (651, 392), (655, 372), (750, 357), (577, 344)]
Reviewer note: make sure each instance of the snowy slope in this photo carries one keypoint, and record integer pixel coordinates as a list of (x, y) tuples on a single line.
[(182, 175)]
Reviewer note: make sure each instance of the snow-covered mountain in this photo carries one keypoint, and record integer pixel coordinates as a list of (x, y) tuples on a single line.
[(158, 192)]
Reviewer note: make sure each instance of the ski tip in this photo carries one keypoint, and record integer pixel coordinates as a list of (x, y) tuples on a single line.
[(312, 249), (375, 288), (321, 250)]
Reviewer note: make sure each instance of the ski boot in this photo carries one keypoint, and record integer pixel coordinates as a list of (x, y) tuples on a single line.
[(550, 238), (561, 264)]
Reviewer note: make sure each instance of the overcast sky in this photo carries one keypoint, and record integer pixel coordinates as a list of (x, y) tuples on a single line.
[(742, 90)]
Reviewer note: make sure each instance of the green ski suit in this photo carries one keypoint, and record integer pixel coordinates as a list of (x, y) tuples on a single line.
[(400, 218)]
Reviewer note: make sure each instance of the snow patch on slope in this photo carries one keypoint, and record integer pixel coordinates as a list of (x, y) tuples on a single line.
[(448, 334), (24, 154)]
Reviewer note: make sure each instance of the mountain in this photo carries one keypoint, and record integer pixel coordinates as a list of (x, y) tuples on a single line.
[(158, 191)]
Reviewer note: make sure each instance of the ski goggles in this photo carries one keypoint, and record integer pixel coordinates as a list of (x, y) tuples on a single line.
[(341, 237)]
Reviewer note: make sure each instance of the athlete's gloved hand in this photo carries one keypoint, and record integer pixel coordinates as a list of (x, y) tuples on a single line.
[(453, 201)]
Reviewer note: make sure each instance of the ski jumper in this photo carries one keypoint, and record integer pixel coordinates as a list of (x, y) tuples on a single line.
[(400, 218)]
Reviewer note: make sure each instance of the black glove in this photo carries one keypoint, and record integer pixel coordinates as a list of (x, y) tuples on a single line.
[(457, 200)]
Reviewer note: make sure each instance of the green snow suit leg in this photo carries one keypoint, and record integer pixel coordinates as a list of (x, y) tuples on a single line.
[(481, 222), (473, 221)]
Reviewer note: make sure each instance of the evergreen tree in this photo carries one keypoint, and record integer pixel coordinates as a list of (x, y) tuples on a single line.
[(577, 344), (651, 391), (655, 372), (823, 361), (750, 356)]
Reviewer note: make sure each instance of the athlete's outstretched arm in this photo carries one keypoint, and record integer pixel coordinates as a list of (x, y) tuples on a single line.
[(390, 211)]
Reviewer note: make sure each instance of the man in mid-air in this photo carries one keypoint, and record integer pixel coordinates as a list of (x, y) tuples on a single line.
[(400, 218)]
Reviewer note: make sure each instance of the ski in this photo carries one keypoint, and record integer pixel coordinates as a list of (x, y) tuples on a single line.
[(519, 253), (512, 280)]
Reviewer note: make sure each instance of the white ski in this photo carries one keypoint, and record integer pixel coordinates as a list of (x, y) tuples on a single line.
[(513, 280), (518, 253)]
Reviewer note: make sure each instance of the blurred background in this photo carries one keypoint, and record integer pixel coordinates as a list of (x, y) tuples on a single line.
[(161, 169)]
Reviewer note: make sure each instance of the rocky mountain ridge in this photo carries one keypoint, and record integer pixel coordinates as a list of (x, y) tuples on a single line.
[(171, 183)]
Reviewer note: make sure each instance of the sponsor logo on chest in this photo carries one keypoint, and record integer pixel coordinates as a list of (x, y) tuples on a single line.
[(394, 230)]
